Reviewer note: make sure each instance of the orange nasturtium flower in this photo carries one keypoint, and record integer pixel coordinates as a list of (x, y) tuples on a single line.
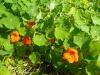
[(71, 55), (51, 40), (14, 37), (30, 23), (26, 40)]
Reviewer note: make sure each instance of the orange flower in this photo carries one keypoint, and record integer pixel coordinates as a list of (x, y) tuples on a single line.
[(51, 40), (30, 23), (26, 40), (71, 55), (14, 37)]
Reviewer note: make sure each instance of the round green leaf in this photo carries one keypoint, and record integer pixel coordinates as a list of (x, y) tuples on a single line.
[(60, 33), (22, 31), (34, 57), (39, 40), (80, 39), (94, 48)]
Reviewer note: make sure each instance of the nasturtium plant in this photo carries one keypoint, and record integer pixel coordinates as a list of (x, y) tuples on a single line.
[(50, 37)]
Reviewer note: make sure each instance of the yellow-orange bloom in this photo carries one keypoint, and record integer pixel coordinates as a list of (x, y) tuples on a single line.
[(71, 55), (26, 40), (14, 37), (30, 23), (51, 40)]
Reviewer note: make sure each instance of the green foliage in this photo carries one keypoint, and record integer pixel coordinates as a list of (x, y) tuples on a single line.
[(80, 39), (39, 40), (10, 21), (4, 71), (92, 70), (56, 26), (98, 61), (95, 33), (94, 48), (96, 20), (60, 33), (34, 57), (8, 48)]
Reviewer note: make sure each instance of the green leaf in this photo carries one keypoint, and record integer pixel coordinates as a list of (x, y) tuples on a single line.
[(92, 69), (34, 57), (2, 40), (2, 52), (8, 1), (80, 39), (7, 46), (2, 9), (72, 11), (4, 71), (84, 28), (32, 10), (44, 2), (10, 21), (39, 40), (65, 43), (95, 32), (20, 50), (14, 7), (98, 61), (48, 57), (56, 58), (61, 33), (94, 48), (78, 18), (55, 55), (96, 20), (22, 31)]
